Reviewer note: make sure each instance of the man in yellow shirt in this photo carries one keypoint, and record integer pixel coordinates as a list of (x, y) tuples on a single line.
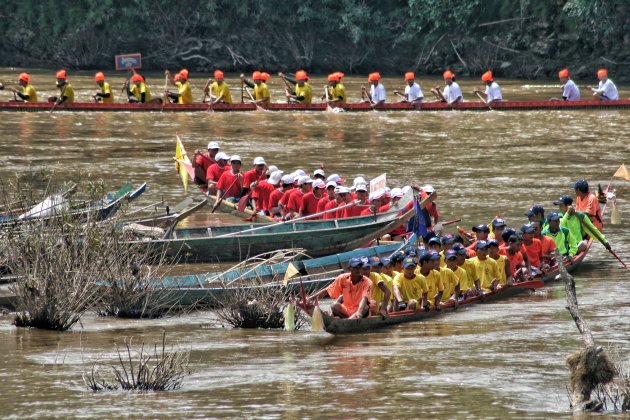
[(503, 264), (409, 288), (66, 92), (381, 290), (104, 95), (183, 96), (301, 92), (487, 268), (468, 287), (219, 90), (460, 273), (336, 91), (429, 264), (450, 281), (27, 93), (261, 90), (139, 92)]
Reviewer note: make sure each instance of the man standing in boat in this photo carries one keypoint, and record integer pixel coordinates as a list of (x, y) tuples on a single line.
[(352, 291), (376, 95), (493, 90), (413, 92), (27, 92), (570, 91), (587, 202), (606, 91)]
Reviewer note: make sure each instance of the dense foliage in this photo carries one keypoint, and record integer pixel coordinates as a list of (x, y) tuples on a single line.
[(523, 38)]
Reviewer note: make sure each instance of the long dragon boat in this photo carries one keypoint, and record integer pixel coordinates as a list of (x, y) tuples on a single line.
[(355, 107)]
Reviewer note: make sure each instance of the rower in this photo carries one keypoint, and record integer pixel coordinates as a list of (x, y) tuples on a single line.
[(520, 266), (481, 234), (201, 162), (559, 234), (462, 288), (606, 91), (230, 185), (503, 264), (533, 248), (337, 91), (362, 196), (215, 170), (341, 195), (327, 197), (536, 213), (105, 94), (449, 279), (452, 92), (139, 92), (27, 92), (310, 200), (410, 288), (493, 91), (577, 233), (352, 291), (587, 202), (570, 91), (253, 177), (261, 90), (183, 96), (429, 266), (301, 92), (547, 243), (375, 203), (305, 185), (319, 174), (66, 92), (486, 268), (219, 90), (413, 92), (376, 96), (280, 181), (381, 288), (498, 226)]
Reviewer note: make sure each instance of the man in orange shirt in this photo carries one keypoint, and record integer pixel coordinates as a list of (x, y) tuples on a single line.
[(586, 202), (532, 247), (548, 244), (352, 291)]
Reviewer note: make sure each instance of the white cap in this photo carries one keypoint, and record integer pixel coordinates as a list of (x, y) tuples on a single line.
[(388, 192), (275, 177), (318, 183), (319, 172), (221, 156), (259, 160), (344, 190), (331, 184), (397, 193), (213, 145), (361, 187), (235, 157), (304, 180), (359, 180), (428, 189), (288, 179), (375, 195), (300, 172), (336, 178), (271, 169)]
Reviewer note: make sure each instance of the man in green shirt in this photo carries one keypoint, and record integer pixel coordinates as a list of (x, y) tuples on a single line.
[(559, 234), (577, 232)]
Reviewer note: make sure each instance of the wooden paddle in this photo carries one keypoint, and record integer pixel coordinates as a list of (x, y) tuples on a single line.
[(165, 95), (592, 234), (242, 89), (206, 90), (249, 93), (60, 96), (483, 99)]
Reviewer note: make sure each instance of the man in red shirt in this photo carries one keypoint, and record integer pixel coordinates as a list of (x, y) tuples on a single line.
[(230, 185), (586, 202), (327, 197), (265, 188), (375, 203), (273, 204), (532, 247), (253, 177), (215, 171), (310, 200), (362, 196), (295, 200), (288, 187), (201, 161)]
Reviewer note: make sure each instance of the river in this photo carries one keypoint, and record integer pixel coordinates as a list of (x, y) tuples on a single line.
[(498, 360)]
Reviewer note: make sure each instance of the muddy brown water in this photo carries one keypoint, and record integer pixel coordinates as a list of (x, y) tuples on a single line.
[(499, 360)]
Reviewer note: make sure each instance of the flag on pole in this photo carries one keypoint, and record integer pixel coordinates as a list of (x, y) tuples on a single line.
[(181, 159), (622, 173), (291, 271)]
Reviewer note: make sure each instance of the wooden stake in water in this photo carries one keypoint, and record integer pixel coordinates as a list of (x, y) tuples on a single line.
[(615, 217)]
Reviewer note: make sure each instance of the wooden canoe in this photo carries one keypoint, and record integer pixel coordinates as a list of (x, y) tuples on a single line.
[(318, 237), (355, 107)]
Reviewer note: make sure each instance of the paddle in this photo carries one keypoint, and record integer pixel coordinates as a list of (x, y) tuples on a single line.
[(401, 95), (242, 89), (220, 200), (328, 107), (242, 203), (249, 93), (206, 90), (165, 95), (592, 234), (483, 99), (60, 96)]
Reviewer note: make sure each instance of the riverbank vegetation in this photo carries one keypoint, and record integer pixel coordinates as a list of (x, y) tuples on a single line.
[(523, 38)]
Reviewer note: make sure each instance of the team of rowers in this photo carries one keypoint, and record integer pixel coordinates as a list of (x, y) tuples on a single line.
[(451, 268), (297, 89)]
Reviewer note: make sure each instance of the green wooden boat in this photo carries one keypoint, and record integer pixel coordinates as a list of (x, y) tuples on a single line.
[(318, 238)]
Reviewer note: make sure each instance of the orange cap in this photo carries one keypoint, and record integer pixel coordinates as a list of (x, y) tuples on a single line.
[(218, 74), (563, 73), (136, 78), (333, 77), (265, 76), (601, 73), (339, 75), (183, 73), (24, 77), (409, 75), (99, 76), (301, 75), (61, 74), (374, 76), (487, 76), (177, 76), (448, 75), (256, 75)]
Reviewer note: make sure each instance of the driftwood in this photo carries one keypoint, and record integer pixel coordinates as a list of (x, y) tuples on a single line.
[(590, 366)]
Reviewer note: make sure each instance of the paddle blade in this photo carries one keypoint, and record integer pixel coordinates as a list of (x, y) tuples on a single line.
[(242, 203), (180, 155), (317, 320), (289, 317), (622, 173), (615, 217)]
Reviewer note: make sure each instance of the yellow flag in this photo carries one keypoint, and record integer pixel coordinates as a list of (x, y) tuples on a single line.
[(622, 173), (317, 320), (180, 154), (291, 271)]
